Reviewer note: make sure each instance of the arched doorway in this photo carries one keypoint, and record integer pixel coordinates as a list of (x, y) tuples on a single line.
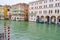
[(58, 19), (42, 16), (47, 19), (42, 19), (37, 20), (53, 19)]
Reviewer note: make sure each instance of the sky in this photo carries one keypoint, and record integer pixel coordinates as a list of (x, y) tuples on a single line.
[(11, 2)]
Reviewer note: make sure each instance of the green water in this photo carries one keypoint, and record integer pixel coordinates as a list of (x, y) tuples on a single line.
[(32, 31)]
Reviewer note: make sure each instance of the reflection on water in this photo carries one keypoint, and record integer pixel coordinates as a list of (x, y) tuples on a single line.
[(33, 31)]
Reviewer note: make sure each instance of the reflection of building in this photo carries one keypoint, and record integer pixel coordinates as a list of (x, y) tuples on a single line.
[(49, 10), (19, 11)]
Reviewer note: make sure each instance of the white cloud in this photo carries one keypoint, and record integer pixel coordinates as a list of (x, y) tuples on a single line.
[(10, 2)]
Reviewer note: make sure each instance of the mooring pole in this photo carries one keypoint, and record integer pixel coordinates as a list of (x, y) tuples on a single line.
[(8, 32)]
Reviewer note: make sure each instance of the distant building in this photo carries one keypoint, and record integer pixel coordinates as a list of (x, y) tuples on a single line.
[(6, 11), (15, 12), (1, 11), (19, 11), (47, 10)]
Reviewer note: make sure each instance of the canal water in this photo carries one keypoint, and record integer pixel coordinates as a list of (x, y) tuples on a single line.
[(31, 31)]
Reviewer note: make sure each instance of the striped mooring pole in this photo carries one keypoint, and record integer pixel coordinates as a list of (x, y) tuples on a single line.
[(8, 32)]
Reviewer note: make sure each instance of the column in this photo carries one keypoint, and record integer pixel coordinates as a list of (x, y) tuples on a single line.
[(56, 20), (44, 19)]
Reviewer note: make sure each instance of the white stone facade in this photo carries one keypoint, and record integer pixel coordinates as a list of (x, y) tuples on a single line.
[(45, 8)]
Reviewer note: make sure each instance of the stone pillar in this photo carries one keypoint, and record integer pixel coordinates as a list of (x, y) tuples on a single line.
[(56, 20), (44, 19)]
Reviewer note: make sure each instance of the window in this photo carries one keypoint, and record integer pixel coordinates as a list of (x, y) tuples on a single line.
[(40, 2), (57, 5), (45, 11), (40, 6), (40, 12), (36, 11), (57, 11), (31, 7), (50, 11), (36, 7), (50, 0), (32, 4), (36, 3), (31, 11), (45, 1), (31, 15), (57, 0), (45, 6), (50, 5)]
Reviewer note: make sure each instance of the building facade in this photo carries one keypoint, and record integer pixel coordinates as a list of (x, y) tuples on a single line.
[(19, 11), (1, 12), (2, 9), (46, 10), (14, 12)]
